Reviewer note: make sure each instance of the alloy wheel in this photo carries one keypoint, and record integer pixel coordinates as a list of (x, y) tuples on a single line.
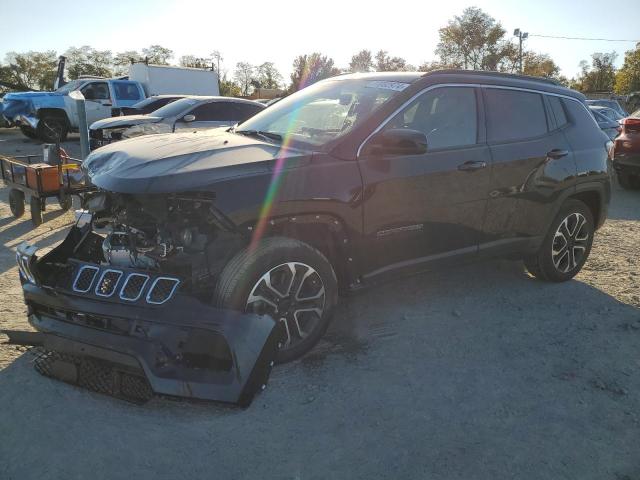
[(570, 242), (292, 293)]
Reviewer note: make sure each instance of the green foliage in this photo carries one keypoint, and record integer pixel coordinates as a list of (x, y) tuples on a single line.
[(361, 62), (539, 65), (86, 60), (31, 70), (157, 54), (122, 60), (308, 69), (628, 77), (599, 76), (244, 75), (195, 62), (268, 76), (385, 63), (474, 41)]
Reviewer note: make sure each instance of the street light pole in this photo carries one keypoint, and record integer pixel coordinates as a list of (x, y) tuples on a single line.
[(521, 36)]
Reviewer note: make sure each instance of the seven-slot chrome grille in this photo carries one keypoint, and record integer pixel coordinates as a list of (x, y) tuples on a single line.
[(119, 284)]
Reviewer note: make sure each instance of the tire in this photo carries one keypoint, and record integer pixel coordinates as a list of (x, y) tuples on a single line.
[(52, 129), (16, 202), (65, 202), (624, 179), (570, 237), (28, 132), (35, 205), (303, 292)]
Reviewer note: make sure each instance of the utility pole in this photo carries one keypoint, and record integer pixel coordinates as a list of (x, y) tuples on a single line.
[(521, 36), (216, 54)]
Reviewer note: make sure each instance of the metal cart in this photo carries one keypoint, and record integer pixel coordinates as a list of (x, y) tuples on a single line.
[(26, 180)]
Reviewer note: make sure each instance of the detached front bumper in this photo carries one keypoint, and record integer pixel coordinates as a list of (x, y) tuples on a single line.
[(183, 347)]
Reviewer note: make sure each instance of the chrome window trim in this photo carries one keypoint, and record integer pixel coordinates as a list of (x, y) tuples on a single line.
[(470, 85), (82, 269), (108, 270), (153, 285), (126, 281)]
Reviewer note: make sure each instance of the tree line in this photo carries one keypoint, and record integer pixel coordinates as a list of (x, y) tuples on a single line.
[(473, 40)]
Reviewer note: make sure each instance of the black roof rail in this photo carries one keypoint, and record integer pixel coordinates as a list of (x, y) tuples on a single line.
[(489, 73)]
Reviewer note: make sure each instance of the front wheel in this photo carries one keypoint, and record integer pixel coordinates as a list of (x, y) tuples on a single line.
[(290, 281), (53, 129), (28, 132), (566, 246)]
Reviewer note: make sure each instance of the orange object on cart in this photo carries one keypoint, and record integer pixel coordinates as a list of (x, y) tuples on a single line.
[(48, 174)]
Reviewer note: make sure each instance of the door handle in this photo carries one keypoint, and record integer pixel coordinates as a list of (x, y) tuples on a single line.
[(556, 153), (471, 165)]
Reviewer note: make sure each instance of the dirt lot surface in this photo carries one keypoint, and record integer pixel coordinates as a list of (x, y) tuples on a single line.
[(474, 372)]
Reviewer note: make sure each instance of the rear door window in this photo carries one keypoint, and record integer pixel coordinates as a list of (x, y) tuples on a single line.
[(214, 112), (126, 91), (245, 110), (514, 115)]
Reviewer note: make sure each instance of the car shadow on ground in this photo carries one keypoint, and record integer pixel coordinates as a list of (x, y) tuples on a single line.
[(466, 372)]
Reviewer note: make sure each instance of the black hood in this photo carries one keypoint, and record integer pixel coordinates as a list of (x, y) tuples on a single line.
[(178, 162)]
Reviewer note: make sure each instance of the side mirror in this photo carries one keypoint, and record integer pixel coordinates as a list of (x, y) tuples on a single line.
[(399, 141), (188, 118)]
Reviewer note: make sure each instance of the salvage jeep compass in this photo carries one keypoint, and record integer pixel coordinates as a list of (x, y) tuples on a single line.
[(196, 238)]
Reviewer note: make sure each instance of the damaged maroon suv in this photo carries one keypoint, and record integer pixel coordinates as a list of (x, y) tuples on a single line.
[(209, 255)]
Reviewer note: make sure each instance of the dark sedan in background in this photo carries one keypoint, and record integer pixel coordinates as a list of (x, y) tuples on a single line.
[(189, 113), (150, 104)]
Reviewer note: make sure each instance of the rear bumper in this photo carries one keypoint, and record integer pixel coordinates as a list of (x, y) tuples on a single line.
[(627, 162), (182, 348)]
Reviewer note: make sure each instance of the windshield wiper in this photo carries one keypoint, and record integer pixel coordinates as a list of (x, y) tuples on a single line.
[(260, 133)]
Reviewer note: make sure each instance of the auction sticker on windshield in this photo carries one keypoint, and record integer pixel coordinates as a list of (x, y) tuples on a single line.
[(397, 86)]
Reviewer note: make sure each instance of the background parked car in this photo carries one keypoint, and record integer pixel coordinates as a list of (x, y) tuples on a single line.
[(150, 104), (608, 125), (626, 159), (613, 104), (190, 113)]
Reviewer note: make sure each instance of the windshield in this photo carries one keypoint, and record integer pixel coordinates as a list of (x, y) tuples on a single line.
[(175, 108), (71, 86), (324, 111)]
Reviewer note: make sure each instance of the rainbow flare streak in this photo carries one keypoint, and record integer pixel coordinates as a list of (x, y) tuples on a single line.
[(276, 178)]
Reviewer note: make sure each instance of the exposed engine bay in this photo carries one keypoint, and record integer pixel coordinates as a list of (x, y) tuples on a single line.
[(163, 233)]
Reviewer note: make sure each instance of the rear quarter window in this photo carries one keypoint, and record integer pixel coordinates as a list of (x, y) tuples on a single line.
[(557, 109), (514, 115)]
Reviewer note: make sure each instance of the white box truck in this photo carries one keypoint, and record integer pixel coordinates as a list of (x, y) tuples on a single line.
[(164, 80)]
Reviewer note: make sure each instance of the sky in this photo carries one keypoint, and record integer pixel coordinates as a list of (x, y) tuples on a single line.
[(257, 31)]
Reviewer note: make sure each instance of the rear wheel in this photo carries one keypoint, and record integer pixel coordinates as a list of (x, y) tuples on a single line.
[(16, 202), (290, 281), (53, 129), (567, 245)]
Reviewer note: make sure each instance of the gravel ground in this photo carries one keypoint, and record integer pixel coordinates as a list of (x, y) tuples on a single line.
[(474, 372)]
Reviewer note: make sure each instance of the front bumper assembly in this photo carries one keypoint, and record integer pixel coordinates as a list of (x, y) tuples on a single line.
[(182, 347)]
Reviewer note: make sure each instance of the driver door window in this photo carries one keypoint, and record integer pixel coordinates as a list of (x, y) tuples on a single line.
[(97, 101), (447, 116)]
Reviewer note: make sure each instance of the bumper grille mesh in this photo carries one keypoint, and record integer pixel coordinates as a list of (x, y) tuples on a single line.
[(93, 374), (161, 290), (107, 283), (133, 286), (85, 278)]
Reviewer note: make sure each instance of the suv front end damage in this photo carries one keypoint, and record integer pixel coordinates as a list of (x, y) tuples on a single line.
[(121, 302)]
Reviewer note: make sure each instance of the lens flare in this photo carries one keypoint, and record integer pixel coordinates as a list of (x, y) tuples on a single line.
[(277, 177)]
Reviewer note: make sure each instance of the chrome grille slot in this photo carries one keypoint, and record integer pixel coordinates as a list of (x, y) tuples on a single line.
[(162, 289), (106, 286), (84, 278), (133, 286)]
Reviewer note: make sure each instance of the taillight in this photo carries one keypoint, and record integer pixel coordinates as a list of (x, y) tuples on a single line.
[(631, 124)]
